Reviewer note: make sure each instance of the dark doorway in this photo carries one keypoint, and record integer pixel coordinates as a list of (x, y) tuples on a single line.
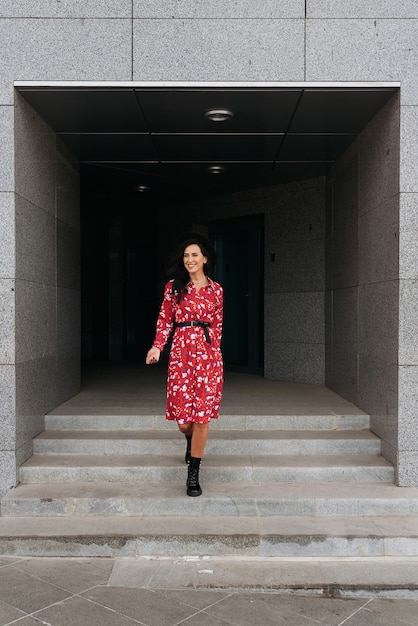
[(239, 269)]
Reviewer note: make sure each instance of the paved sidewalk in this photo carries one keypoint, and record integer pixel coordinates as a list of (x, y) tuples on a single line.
[(124, 592)]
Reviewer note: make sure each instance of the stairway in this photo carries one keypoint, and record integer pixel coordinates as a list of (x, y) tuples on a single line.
[(288, 486)]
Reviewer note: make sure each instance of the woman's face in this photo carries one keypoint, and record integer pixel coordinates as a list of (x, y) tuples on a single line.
[(193, 259)]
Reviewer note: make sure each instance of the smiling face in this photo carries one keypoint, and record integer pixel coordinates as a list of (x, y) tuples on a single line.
[(194, 261)]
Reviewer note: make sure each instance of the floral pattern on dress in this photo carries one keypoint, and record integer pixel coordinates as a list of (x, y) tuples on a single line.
[(195, 368)]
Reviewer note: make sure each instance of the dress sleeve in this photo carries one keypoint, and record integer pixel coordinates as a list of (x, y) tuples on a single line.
[(165, 318), (218, 319)]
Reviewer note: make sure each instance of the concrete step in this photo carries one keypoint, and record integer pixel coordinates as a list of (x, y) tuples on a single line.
[(287, 537), (279, 500), (293, 421), (110, 442), (383, 577), (44, 468)]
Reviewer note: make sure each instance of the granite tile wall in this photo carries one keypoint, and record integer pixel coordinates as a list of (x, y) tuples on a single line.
[(46, 281), (218, 9), (365, 286), (341, 48), (7, 301), (258, 49), (78, 48)]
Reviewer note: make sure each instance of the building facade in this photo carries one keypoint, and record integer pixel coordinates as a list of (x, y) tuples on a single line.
[(339, 263)]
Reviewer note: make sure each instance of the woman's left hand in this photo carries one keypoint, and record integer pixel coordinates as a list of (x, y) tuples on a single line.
[(153, 356)]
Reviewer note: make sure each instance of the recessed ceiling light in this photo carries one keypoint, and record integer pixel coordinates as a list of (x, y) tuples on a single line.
[(142, 188), (219, 115), (216, 169)]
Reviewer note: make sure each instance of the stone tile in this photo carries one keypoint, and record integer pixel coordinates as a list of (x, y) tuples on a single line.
[(298, 266), (378, 389), (7, 406), (68, 320), (9, 614), (50, 8), (379, 158), (38, 594), (35, 243), (378, 321), (35, 157), (73, 575), (8, 476), (408, 322), (7, 179), (378, 243), (343, 378), (28, 621), (198, 598), (295, 362), (295, 317), (309, 365), (384, 611), (409, 149), (363, 50), (203, 619), (68, 194), (407, 474), (302, 218), (257, 50), (320, 609), (360, 9), (345, 319), (249, 609), (345, 193), (31, 405), (77, 610), (7, 321), (146, 9), (141, 604), (345, 256), (408, 235), (106, 43), (408, 408), (7, 235), (68, 257), (36, 330)]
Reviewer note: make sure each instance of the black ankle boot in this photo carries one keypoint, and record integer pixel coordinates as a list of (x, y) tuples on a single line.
[(188, 449), (193, 487)]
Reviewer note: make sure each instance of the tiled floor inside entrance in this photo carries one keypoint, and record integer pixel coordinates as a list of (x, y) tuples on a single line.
[(128, 388)]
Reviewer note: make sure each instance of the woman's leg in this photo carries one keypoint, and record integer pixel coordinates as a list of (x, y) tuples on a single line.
[(199, 438), (187, 430), (200, 435)]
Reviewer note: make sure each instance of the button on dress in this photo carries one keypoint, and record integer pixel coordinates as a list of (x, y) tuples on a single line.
[(195, 368)]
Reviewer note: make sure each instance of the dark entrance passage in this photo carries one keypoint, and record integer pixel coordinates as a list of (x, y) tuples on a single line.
[(240, 250), (149, 156)]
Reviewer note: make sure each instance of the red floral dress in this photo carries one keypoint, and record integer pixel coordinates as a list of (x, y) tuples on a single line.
[(195, 368)]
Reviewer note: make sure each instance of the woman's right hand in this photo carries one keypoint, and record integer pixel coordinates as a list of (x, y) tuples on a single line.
[(153, 356)]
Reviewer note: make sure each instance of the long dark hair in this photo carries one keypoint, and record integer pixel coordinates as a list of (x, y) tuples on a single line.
[(176, 270)]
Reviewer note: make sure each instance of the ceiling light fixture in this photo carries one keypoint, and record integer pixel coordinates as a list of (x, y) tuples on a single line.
[(216, 169), (219, 115), (142, 188)]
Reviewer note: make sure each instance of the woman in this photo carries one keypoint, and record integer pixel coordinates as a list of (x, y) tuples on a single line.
[(193, 307)]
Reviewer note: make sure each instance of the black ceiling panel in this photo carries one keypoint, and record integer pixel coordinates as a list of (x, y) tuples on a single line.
[(110, 147), (338, 110), (182, 111), (314, 147), (217, 147), (126, 136), (87, 111)]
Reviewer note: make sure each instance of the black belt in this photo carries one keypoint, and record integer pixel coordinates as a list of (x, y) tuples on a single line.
[(204, 325)]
